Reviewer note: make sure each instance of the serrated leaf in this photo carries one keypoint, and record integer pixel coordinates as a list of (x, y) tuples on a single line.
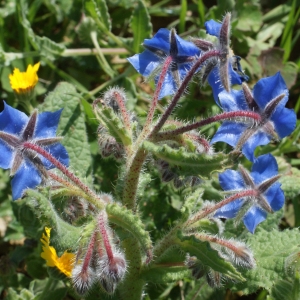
[(114, 125), (127, 220), (270, 251), (71, 127), (141, 25), (208, 256), (190, 163)]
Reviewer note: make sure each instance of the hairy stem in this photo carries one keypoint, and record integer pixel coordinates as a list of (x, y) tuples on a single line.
[(96, 200), (221, 117), (210, 209), (182, 88)]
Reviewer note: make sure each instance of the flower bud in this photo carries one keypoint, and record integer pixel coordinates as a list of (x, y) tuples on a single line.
[(115, 97), (83, 279), (75, 208), (111, 270)]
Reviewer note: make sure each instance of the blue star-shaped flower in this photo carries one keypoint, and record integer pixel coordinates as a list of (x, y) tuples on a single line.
[(234, 70), (27, 167), (262, 179), (165, 44), (269, 97)]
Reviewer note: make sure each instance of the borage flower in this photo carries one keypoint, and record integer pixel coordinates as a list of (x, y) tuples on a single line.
[(27, 167), (269, 196), (223, 72), (166, 44), (268, 100), (64, 263), (24, 82)]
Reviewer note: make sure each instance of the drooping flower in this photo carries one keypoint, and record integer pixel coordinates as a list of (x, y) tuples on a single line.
[(165, 44), (226, 71), (24, 82), (269, 97), (27, 167), (64, 263), (262, 179)]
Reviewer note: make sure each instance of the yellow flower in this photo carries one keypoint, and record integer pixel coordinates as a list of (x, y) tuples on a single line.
[(63, 263), (24, 82)]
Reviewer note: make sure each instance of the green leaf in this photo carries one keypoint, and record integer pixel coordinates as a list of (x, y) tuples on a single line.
[(71, 127), (182, 16), (249, 16), (98, 10), (124, 218), (48, 48), (62, 234), (208, 256), (190, 163), (291, 183), (107, 117), (270, 249), (141, 25), (164, 273), (282, 290)]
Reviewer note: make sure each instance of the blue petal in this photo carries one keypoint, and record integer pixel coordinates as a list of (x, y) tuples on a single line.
[(214, 81), (59, 152), (284, 121), (253, 217), (258, 139), (213, 28), (231, 180), (268, 88), (27, 177), (186, 48), (47, 123), (233, 101), (275, 196), (264, 167), (168, 86), (145, 63), (6, 156), (12, 120), (229, 133), (230, 210), (161, 40)]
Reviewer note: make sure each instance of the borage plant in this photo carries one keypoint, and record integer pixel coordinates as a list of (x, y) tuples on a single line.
[(103, 247)]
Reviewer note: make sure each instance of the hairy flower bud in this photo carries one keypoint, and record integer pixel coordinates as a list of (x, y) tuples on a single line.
[(108, 144), (82, 279), (115, 97)]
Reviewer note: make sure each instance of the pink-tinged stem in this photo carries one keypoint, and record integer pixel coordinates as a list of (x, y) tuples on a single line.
[(210, 209), (224, 243), (159, 85), (125, 115), (221, 117), (103, 230), (89, 253), (182, 88), (99, 203)]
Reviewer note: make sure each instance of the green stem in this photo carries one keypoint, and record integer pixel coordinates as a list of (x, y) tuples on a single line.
[(131, 288), (102, 61), (132, 178)]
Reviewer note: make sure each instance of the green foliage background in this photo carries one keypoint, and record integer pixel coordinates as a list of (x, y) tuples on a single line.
[(85, 43)]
